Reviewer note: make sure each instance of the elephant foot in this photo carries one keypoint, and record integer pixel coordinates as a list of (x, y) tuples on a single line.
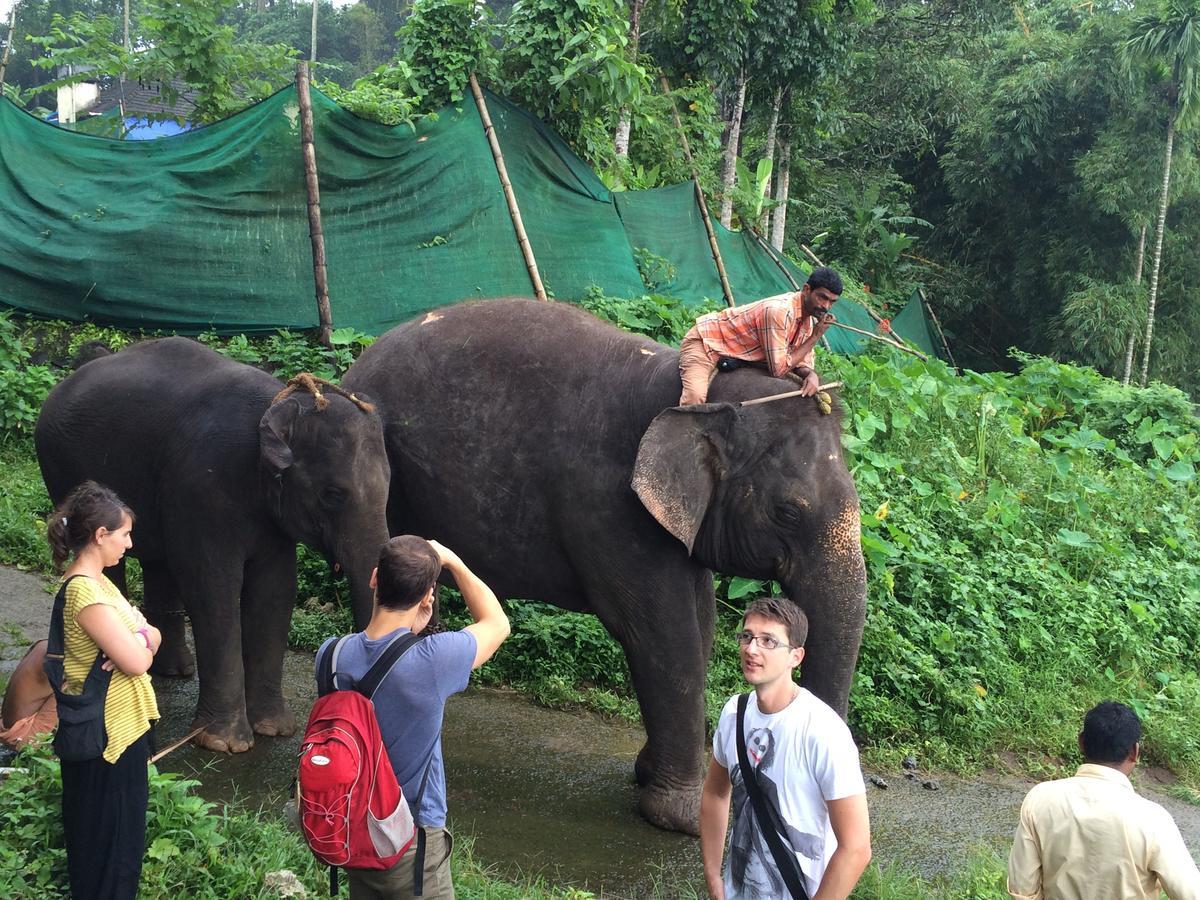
[(672, 809), (174, 661), (226, 737), (277, 724)]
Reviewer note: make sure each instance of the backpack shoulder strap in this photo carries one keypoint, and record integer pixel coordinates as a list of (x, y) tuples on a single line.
[(326, 667), (369, 683), (785, 860)]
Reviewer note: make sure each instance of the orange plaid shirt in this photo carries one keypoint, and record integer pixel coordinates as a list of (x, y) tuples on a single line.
[(769, 330)]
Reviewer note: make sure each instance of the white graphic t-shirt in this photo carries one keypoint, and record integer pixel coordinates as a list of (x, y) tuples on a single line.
[(804, 756)]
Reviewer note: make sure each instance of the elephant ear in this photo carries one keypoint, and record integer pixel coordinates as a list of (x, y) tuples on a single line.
[(274, 434), (680, 462)]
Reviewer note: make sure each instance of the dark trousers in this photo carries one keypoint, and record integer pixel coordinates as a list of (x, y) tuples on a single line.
[(104, 821)]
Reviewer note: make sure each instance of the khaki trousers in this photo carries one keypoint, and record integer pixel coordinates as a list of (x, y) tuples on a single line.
[(396, 883), (696, 368)]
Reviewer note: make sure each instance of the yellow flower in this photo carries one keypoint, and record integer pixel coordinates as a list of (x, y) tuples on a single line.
[(882, 512), (981, 691)]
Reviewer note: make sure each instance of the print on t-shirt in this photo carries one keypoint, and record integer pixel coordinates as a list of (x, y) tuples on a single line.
[(751, 865)]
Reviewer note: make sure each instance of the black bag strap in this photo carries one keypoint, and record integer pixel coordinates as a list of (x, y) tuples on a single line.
[(56, 644), (785, 860)]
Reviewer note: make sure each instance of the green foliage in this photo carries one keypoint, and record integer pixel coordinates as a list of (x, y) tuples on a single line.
[(288, 353), (24, 386), (656, 316), (656, 271), (567, 60), (442, 42)]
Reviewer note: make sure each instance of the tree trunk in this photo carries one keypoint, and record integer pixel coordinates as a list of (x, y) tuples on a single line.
[(312, 188), (12, 28), (1137, 279), (769, 149), (1158, 245), (312, 51), (624, 119), (782, 177), (729, 170)]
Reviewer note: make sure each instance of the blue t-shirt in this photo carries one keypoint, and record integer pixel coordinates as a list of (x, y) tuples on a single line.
[(409, 706)]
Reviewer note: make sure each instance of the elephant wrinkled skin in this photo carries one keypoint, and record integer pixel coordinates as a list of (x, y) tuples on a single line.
[(223, 483), (545, 446)]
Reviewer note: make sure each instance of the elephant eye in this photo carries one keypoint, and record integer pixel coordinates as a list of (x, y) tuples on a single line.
[(789, 514), (331, 495)]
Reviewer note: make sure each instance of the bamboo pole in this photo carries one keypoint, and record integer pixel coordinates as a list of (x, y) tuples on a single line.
[(775, 258), (309, 154), (938, 325), (12, 27), (811, 255), (312, 47), (712, 236), (514, 211), (881, 339), (758, 400)]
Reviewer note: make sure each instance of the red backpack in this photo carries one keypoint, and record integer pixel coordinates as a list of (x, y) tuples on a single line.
[(352, 810)]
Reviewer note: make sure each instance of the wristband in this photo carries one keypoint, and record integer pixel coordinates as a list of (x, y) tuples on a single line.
[(145, 637)]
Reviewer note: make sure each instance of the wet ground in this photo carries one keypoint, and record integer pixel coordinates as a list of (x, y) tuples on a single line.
[(550, 792)]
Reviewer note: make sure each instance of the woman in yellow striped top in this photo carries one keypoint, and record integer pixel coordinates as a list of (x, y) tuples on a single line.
[(104, 800)]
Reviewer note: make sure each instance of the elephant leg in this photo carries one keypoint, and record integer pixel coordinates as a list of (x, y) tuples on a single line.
[(164, 612), (268, 597), (663, 618), (211, 597)]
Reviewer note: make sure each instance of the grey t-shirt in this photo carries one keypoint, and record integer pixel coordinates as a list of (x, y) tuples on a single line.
[(409, 706)]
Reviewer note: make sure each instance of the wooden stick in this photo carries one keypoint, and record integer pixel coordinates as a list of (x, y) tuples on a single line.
[(820, 387), (12, 27), (311, 184), (881, 338), (175, 746), (514, 212), (700, 201), (775, 258), (938, 325), (811, 255)]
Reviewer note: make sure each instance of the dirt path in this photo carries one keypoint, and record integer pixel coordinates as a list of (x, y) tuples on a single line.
[(559, 781)]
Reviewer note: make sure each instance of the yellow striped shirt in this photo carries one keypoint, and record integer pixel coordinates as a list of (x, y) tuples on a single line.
[(130, 706)]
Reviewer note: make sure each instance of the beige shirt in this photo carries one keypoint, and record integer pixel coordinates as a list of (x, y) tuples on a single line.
[(1091, 837)]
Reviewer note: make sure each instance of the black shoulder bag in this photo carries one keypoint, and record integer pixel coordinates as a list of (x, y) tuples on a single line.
[(81, 734), (769, 819)]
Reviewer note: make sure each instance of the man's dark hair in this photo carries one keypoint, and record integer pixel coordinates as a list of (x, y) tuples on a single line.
[(825, 277), (408, 568), (1110, 730), (783, 611)]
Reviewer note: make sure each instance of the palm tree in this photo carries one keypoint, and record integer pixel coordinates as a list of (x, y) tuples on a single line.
[(1168, 38)]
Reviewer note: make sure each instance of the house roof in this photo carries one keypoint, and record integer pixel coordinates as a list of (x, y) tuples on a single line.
[(144, 100)]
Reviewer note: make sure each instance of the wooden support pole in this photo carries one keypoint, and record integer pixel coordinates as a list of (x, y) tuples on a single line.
[(775, 258), (808, 252), (881, 339), (309, 154), (938, 325), (514, 211), (712, 236), (12, 28)]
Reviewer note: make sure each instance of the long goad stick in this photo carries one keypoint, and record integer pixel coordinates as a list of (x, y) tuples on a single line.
[(175, 746), (820, 387)]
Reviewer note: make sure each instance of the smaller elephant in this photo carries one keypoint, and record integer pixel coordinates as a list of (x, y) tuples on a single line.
[(225, 470)]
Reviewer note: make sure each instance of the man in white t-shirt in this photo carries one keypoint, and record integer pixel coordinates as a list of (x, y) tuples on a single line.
[(805, 764)]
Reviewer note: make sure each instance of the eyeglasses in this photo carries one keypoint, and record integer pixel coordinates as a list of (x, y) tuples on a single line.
[(765, 641)]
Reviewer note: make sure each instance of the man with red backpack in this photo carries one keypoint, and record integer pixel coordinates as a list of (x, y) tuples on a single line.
[(410, 699)]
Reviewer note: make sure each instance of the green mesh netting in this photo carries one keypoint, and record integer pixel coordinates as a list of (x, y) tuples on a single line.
[(208, 230)]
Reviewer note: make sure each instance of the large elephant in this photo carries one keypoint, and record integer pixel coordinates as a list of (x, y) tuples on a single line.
[(224, 481), (545, 446)]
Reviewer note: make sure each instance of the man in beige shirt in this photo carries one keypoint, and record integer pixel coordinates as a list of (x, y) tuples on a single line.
[(1091, 837)]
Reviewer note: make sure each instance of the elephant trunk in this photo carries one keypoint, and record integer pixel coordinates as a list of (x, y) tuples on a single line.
[(358, 559), (829, 582)]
